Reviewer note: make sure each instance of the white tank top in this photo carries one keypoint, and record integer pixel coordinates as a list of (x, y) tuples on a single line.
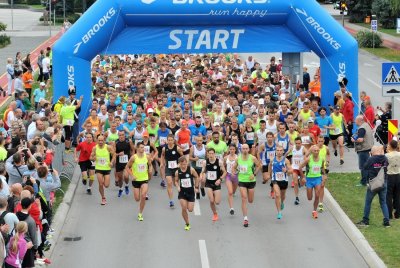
[(261, 136), (201, 154), (229, 165), (297, 157), (138, 136), (272, 128)]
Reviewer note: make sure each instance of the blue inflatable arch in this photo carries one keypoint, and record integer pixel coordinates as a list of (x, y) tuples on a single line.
[(204, 26)]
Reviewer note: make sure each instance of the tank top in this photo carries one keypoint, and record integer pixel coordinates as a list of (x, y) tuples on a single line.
[(282, 116), (229, 165), (197, 108), (306, 140), (277, 172), (322, 154), (148, 149), (209, 130), (261, 136), (338, 123), (314, 168), (123, 146), (186, 181), (284, 142), (162, 137), (102, 158), (245, 168), (153, 131), (213, 170), (140, 168), (112, 136), (95, 124), (237, 131), (249, 136), (138, 136), (305, 115), (268, 154), (272, 128), (171, 157), (218, 117), (297, 157), (201, 154), (300, 104)]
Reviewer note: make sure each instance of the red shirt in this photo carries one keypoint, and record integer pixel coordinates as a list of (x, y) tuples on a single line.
[(183, 137), (86, 149), (315, 130), (34, 212), (369, 116), (348, 111)]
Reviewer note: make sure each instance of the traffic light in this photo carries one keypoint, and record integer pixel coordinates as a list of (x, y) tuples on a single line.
[(343, 6)]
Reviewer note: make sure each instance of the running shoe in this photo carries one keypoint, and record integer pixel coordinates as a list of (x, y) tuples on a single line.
[(162, 184), (215, 217), (84, 181), (341, 162), (272, 194), (126, 189), (46, 261), (279, 216), (335, 153), (89, 191), (155, 174), (120, 192), (387, 225), (292, 184), (171, 204), (282, 206), (103, 201), (203, 192), (246, 223), (187, 227), (362, 224), (320, 207), (140, 217), (51, 231), (297, 201), (197, 195), (315, 214), (232, 211)]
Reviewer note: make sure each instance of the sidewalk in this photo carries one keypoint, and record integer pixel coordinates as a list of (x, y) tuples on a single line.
[(389, 41)]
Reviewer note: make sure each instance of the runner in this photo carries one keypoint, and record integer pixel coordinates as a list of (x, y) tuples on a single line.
[(197, 157), (186, 188), (162, 135), (324, 122), (336, 132), (248, 135), (219, 146), (104, 157), (138, 132), (231, 176), (182, 137), (280, 168), (247, 178), (87, 167), (324, 153), (315, 169), (213, 173), (298, 155), (169, 161), (123, 150), (139, 168), (266, 153)]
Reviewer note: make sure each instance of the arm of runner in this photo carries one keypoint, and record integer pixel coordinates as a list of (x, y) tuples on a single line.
[(289, 169), (150, 165), (76, 153), (196, 179), (191, 155), (261, 149), (258, 165), (113, 155), (304, 163), (93, 154), (176, 180), (129, 167), (179, 149), (222, 166)]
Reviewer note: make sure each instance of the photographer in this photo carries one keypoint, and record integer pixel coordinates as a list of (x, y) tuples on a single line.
[(382, 130), (15, 165)]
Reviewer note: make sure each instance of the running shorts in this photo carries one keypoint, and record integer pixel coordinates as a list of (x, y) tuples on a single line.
[(187, 195), (248, 185), (138, 184), (86, 165), (313, 182), (211, 184), (283, 185)]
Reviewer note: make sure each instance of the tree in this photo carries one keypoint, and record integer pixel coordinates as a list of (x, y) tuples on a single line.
[(384, 14), (395, 7), (359, 9)]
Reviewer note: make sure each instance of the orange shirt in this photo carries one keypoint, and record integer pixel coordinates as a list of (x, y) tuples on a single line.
[(183, 138), (315, 88), (25, 78)]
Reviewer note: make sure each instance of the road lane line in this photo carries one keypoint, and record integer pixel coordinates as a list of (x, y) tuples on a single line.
[(374, 83), (203, 254), (197, 211)]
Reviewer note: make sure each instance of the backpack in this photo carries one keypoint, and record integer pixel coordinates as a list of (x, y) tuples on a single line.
[(6, 237)]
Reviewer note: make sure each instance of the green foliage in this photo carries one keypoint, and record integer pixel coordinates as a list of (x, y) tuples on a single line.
[(384, 14), (359, 9), (33, 2), (17, 2), (3, 27), (4, 40), (72, 18), (368, 39), (395, 6)]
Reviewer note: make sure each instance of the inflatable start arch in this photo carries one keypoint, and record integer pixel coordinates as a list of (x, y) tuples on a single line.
[(204, 26)]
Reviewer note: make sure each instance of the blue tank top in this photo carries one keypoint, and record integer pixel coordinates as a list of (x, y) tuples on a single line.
[(162, 136), (282, 117), (284, 142), (269, 154), (277, 173)]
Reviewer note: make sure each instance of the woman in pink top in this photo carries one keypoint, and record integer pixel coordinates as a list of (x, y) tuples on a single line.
[(17, 246)]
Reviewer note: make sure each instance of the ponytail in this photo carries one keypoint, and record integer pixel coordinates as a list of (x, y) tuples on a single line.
[(14, 245)]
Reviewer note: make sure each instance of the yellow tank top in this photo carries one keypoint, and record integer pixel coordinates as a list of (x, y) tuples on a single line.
[(338, 123), (140, 168), (102, 158), (305, 115), (322, 154)]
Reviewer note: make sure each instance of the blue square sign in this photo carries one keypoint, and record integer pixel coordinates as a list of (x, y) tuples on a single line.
[(391, 79)]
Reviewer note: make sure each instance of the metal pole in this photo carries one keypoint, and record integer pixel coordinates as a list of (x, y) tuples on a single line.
[(54, 14), (49, 17), (343, 18), (12, 14), (64, 10), (373, 40), (392, 107)]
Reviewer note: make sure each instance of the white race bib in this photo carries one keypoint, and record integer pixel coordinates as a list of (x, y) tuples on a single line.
[(147, 149), (316, 169), (163, 140), (337, 131), (185, 146), (200, 162), (243, 169), (324, 132), (279, 176), (211, 175), (172, 164), (123, 159), (69, 122), (305, 139), (283, 144), (219, 156), (250, 136), (229, 167), (186, 183), (270, 155), (101, 161), (296, 161), (142, 167)]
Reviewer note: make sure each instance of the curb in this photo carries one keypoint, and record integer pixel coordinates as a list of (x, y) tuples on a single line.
[(357, 238), (63, 209)]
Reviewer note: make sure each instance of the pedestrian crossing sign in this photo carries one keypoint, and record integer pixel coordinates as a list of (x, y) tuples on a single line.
[(391, 79)]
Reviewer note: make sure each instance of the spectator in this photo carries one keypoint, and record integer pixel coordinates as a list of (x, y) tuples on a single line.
[(46, 67), (382, 129), (17, 247), (369, 115), (372, 167), (15, 166), (40, 65), (26, 63), (393, 187), (8, 217), (363, 98), (10, 76), (306, 78), (15, 197), (39, 94), (4, 188), (27, 78), (18, 85), (315, 86)]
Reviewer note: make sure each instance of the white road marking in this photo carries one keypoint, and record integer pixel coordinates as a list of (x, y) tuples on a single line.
[(374, 83), (368, 64), (197, 211), (203, 254)]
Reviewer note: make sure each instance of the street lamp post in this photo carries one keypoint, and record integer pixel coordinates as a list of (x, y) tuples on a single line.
[(374, 28), (12, 14), (49, 17), (64, 10)]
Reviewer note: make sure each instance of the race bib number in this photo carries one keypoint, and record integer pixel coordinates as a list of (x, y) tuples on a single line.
[(296, 161), (186, 183), (69, 122), (185, 146), (211, 175), (324, 131), (163, 140), (229, 167), (243, 169), (123, 159), (200, 162), (337, 131), (316, 169), (279, 176), (271, 155), (172, 164), (102, 161), (250, 136), (142, 167), (147, 149), (305, 140)]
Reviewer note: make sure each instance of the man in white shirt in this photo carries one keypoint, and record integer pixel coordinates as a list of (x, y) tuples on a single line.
[(11, 114), (46, 67), (32, 127)]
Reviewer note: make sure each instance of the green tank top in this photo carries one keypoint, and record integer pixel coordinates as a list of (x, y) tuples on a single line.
[(322, 154), (112, 136), (314, 168), (140, 168), (338, 123), (305, 115), (245, 169), (153, 131), (197, 107), (102, 158)]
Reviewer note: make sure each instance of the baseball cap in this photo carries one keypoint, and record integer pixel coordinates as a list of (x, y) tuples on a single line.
[(237, 108), (310, 120), (216, 124), (268, 90), (261, 101), (117, 85), (42, 84), (150, 110), (336, 107), (282, 96), (145, 134)]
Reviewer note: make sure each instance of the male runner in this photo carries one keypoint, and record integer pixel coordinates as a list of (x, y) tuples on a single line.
[(123, 150), (298, 155), (197, 157), (266, 154), (85, 149)]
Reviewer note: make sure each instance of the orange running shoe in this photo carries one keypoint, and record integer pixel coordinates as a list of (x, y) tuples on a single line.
[(215, 217), (315, 214)]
